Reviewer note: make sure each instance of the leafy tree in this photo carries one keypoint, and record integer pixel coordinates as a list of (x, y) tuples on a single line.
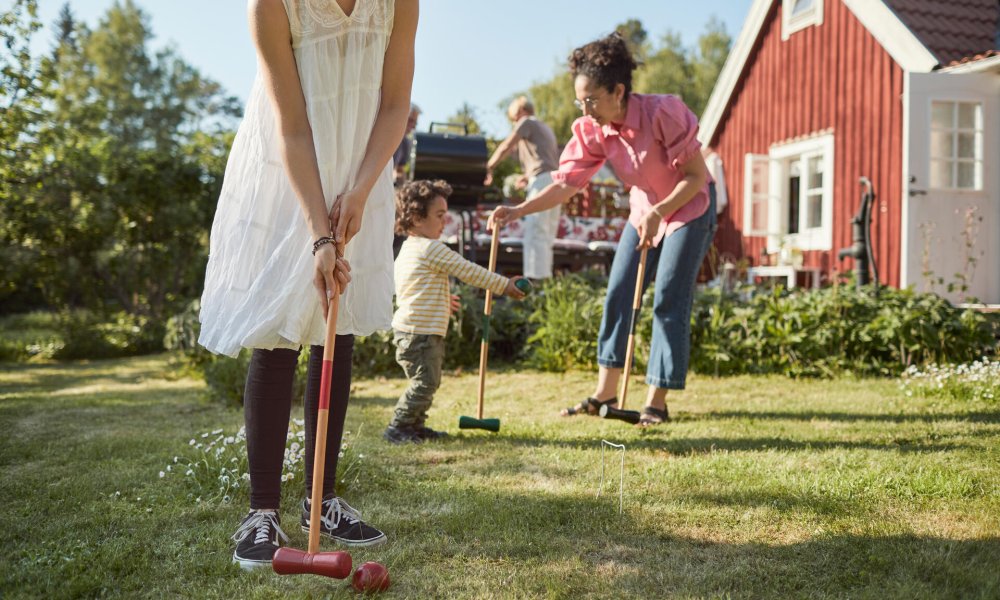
[(666, 70), (466, 116), (635, 36), (21, 101), (123, 166), (713, 49)]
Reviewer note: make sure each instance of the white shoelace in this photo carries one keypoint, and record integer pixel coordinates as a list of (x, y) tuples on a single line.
[(337, 509), (262, 522)]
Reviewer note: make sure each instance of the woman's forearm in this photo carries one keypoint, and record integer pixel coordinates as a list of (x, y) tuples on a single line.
[(553, 195), (684, 191), (389, 128), (299, 155)]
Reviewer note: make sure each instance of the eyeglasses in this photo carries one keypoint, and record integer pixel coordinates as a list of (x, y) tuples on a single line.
[(590, 102)]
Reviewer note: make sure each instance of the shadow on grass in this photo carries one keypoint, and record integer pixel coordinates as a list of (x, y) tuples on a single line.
[(972, 417), (586, 549), (681, 445), (55, 376)]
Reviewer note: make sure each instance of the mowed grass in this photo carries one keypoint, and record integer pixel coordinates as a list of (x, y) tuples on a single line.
[(760, 488)]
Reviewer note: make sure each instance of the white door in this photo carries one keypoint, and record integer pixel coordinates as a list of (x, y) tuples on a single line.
[(951, 197)]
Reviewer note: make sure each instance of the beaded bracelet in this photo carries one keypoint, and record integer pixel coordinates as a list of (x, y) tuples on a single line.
[(321, 242)]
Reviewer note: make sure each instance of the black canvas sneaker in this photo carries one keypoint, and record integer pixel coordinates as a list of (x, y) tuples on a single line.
[(341, 523), (401, 435), (257, 540), (428, 434)]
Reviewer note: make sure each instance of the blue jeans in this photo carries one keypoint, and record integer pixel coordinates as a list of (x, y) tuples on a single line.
[(674, 264)]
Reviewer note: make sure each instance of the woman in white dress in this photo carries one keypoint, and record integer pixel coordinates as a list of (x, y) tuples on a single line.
[(306, 209)]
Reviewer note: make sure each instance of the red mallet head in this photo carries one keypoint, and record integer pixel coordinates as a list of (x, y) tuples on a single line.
[(289, 561), (371, 577)]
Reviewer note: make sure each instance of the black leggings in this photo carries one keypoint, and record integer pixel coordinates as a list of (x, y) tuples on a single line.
[(267, 405)]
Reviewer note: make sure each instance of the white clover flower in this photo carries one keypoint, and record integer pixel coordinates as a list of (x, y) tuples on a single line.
[(204, 435), (162, 474), (192, 442), (189, 473)]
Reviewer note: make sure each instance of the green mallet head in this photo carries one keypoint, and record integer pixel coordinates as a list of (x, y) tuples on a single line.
[(487, 424), (523, 284)]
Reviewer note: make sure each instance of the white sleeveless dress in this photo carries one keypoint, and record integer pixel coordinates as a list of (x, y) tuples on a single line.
[(258, 285)]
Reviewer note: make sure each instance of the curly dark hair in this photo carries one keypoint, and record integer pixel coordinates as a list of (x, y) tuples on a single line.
[(607, 62), (413, 198)]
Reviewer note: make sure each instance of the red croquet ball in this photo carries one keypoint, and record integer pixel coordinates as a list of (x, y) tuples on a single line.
[(371, 577)]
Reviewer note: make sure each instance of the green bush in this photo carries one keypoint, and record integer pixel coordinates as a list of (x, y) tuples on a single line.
[(225, 376), (834, 330), (808, 333), (86, 336), (566, 321)]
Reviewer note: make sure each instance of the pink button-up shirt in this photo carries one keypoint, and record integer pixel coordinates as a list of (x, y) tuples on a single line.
[(646, 152)]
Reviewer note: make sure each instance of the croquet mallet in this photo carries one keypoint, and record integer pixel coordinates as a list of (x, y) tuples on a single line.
[(479, 422), (629, 416), (289, 561)]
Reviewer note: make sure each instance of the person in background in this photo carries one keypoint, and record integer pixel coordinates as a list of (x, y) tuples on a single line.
[(651, 141), (538, 153), (401, 157)]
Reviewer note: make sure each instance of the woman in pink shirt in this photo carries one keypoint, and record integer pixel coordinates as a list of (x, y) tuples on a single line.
[(650, 142)]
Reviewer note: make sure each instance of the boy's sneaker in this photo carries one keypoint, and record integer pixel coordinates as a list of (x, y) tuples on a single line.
[(428, 434), (341, 523), (401, 435), (257, 540)]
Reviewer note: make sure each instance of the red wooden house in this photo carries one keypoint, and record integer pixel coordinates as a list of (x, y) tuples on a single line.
[(819, 93)]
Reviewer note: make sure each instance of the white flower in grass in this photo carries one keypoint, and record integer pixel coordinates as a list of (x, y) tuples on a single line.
[(217, 431), (204, 435), (169, 468), (192, 442), (189, 473), (340, 454), (229, 440), (246, 477), (176, 458), (233, 459), (162, 474), (198, 499)]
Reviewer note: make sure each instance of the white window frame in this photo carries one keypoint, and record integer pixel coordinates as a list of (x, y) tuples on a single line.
[(790, 25), (749, 161), (977, 132), (781, 157)]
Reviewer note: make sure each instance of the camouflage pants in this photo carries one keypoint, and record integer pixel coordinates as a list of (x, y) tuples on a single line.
[(421, 356)]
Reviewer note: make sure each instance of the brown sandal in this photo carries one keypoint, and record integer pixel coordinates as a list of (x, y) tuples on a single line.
[(590, 407), (653, 416)]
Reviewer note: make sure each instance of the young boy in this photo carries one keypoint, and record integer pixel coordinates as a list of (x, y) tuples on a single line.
[(423, 297)]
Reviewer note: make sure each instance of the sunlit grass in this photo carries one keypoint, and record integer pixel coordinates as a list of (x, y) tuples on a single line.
[(760, 487)]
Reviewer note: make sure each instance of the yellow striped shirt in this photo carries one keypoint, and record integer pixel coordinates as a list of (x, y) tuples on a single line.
[(423, 294)]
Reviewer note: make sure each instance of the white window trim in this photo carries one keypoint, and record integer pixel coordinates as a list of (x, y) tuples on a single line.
[(817, 238), (748, 163), (980, 149), (790, 25)]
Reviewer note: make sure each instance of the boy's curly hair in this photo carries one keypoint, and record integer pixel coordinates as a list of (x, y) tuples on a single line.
[(607, 62), (413, 198)]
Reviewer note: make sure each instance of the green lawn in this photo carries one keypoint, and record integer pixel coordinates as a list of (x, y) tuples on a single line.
[(760, 488)]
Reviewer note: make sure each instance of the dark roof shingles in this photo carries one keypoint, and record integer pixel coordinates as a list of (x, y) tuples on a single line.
[(951, 29)]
